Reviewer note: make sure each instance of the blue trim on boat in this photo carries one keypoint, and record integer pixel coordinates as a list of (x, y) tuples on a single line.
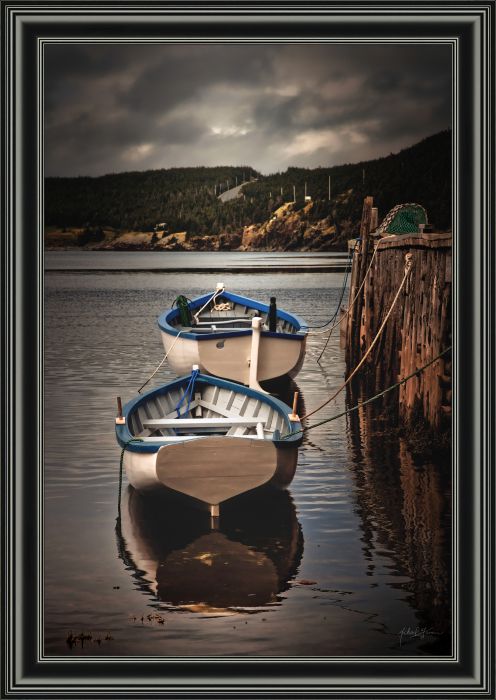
[(164, 320), (123, 433)]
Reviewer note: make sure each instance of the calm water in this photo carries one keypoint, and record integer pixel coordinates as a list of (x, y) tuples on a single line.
[(199, 262), (354, 552)]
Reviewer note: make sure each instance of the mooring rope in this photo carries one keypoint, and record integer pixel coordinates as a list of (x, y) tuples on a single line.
[(352, 303), (133, 439), (161, 362), (343, 289), (408, 267), (372, 398), (336, 313)]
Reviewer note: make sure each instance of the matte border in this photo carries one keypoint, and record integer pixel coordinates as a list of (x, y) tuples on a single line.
[(469, 27)]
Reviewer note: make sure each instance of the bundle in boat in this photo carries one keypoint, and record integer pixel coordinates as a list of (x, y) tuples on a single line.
[(233, 337), (208, 439)]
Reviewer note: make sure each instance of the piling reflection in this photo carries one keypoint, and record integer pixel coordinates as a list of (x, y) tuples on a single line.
[(405, 511), (177, 559)]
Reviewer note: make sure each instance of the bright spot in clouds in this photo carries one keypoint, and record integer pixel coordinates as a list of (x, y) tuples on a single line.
[(111, 108), (137, 153), (229, 130)]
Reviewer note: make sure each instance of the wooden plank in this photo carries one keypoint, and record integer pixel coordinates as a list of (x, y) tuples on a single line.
[(164, 439), (216, 321), (170, 438), (425, 240), (180, 423)]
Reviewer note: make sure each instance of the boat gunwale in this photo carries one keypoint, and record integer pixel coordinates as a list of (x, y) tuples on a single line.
[(291, 439), (165, 318)]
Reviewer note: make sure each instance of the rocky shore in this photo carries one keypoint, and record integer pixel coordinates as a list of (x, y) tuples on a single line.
[(286, 230)]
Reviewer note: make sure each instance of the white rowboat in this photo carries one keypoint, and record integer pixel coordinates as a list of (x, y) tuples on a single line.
[(229, 439), (229, 337)]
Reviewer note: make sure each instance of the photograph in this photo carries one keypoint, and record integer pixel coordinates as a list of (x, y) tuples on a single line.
[(247, 302), (247, 346)]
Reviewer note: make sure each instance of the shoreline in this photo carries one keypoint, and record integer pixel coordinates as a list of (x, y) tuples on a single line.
[(235, 262), (198, 270)]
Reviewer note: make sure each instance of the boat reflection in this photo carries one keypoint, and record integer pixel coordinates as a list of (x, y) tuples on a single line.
[(178, 560), (284, 388)]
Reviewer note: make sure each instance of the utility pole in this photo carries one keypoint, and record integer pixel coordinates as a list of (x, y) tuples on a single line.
[(329, 188), (236, 180), (281, 191), (305, 190), (294, 194)]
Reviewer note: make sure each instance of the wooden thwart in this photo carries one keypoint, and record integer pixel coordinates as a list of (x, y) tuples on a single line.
[(199, 422)]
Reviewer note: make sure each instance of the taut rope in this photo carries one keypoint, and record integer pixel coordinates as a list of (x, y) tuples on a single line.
[(372, 398), (161, 362), (352, 303), (408, 267)]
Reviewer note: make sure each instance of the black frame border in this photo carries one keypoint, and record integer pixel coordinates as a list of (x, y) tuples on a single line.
[(25, 673)]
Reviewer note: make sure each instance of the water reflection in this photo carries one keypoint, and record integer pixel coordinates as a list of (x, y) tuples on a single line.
[(405, 512), (284, 388), (177, 559)]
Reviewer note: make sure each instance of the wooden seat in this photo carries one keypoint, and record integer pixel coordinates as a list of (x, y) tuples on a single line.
[(223, 321), (156, 423)]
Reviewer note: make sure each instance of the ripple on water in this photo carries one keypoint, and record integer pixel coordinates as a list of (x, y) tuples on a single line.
[(358, 548)]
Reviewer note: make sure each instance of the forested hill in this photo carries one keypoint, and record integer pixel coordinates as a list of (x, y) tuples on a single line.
[(421, 173), (186, 198)]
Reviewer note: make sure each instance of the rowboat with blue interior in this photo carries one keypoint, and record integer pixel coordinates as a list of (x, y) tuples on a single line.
[(231, 336), (209, 439)]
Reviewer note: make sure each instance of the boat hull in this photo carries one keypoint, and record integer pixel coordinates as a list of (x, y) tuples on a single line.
[(211, 470), (208, 439), (229, 357)]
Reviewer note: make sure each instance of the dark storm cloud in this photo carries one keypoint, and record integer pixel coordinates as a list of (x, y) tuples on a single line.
[(110, 108)]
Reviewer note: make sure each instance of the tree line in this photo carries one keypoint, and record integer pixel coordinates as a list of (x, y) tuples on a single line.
[(186, 199)]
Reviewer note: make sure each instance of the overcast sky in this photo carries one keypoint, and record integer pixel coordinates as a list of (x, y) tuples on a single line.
[(135, 107)]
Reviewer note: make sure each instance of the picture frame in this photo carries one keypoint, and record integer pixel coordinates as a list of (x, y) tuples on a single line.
[(470, 28)]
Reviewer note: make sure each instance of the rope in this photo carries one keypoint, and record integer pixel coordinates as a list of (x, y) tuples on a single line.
[(161, 362), (337, 309), (352, 303), (343, 289), (212, 298), (373, 398), (133, 439), (188, 393), (408, 267)]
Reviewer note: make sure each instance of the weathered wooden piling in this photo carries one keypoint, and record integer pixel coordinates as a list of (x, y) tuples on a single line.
[(419, 327)]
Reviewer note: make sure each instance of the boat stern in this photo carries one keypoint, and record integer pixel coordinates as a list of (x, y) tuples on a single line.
[(217, 468)]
